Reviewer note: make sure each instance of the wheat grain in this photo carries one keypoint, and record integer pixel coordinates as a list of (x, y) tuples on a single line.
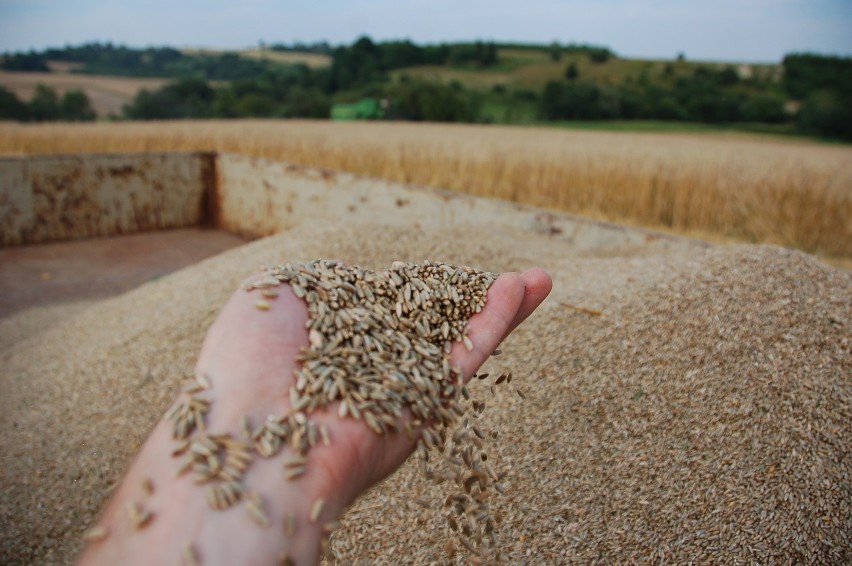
[(316, 510), (138, 515), (190, 556), (95, 534), (256, 511)]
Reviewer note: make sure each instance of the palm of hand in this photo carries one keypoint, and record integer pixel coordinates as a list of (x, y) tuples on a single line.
[(255, 353)]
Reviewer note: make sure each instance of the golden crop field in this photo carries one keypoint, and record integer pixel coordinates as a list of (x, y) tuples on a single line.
[(722, 186), (313, 60)]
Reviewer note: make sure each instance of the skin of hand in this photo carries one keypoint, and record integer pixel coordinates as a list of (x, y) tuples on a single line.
[(249, 357)]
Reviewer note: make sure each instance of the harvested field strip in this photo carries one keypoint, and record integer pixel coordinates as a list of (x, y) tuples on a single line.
[(107, 94), (746, 188)]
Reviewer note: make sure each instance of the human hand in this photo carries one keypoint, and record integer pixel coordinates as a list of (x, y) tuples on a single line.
[(249, 356)]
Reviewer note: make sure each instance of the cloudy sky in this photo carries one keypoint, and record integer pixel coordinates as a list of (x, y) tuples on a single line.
[(730, 30)]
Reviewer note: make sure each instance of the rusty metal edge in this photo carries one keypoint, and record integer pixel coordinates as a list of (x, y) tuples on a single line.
[(103, 154), (209, 175), (210, 199)]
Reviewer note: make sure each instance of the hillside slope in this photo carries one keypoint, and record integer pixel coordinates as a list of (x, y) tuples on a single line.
[(107, 94)]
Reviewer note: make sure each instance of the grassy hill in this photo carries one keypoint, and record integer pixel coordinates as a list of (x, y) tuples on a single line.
[(510, 88), (533, 67)]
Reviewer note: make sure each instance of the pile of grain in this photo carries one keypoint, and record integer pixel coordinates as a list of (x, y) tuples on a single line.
[(705, 415)]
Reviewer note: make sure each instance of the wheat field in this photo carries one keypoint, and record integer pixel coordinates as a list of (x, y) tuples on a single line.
[(719, 186)]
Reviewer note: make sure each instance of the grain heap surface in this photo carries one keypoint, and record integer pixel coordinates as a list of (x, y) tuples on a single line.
[(704, 415)]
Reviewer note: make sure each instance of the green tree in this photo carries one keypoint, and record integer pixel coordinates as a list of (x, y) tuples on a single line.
[(764, 107), (665, 107), (433, 102), (11, 107), (225, 103), (355, 65), (399, 54), (805, 73), (479, 54), (307, 103), (826, 113), (44, 105), (185, 98), (571, 101), (571, 72), (29, 62), (599, 55), (256, 105), (75, 107), (555, 51), (825, 86), (728, 76)]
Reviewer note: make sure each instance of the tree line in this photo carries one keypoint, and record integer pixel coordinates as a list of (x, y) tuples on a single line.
[(707, 95), (46, 105), (118, 60), (814, 94)]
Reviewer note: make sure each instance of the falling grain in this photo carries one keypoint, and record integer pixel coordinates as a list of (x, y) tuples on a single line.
[(190, 556), (330, 527), (290, 525), (138, 515), (95, 534), (202, 380), (294, 472), (255, 509), (316, 510), (585, 310)]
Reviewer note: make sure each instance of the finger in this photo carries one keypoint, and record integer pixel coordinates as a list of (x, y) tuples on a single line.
[(487, 328), (255, 327), (250, 351), (537, 286)]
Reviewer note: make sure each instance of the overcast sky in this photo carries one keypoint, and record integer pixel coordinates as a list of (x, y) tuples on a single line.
[(729, 30)]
